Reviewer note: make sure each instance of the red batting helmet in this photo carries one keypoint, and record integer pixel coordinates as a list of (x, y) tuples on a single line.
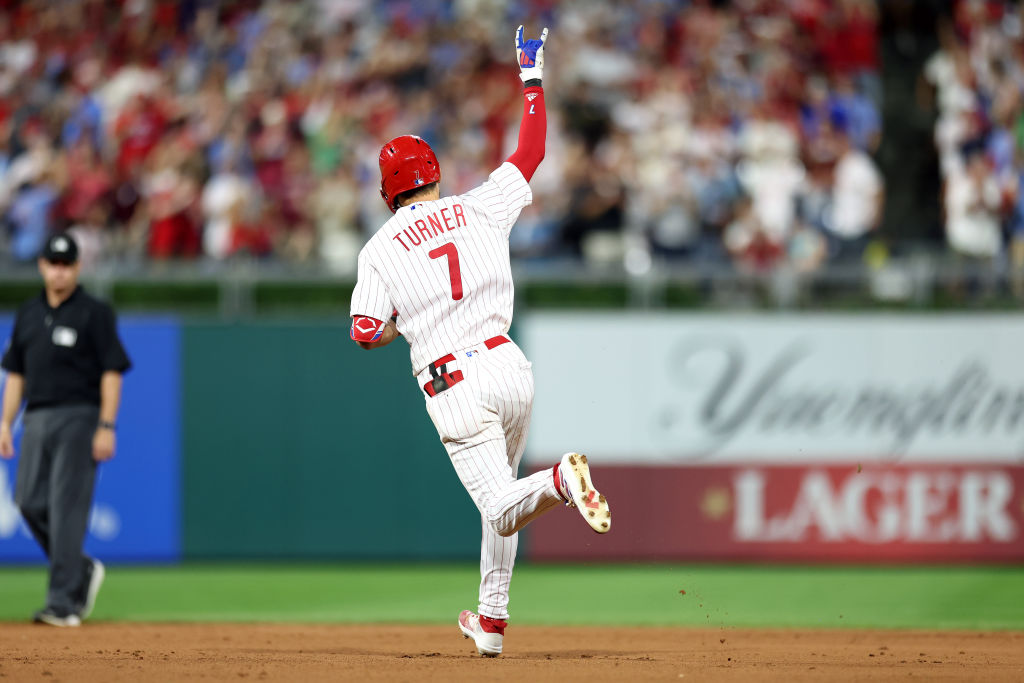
[(407, 162)]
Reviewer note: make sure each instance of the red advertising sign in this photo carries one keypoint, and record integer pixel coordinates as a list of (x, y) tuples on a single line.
[(874, 513)]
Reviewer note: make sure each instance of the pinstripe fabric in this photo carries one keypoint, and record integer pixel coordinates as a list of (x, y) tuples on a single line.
[(396, 271), (444, 265), (483, 422)]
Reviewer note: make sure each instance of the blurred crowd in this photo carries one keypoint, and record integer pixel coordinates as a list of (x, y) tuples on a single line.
[(720, 133), (977, 80)]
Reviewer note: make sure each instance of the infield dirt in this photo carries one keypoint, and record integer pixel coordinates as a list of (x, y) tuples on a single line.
[(272, 652)]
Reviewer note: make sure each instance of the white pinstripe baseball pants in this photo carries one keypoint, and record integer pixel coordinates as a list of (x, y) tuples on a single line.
[(483, 421)]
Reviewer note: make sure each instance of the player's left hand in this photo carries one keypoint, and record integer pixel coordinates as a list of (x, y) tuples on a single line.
[(103, 442), (530, 55)]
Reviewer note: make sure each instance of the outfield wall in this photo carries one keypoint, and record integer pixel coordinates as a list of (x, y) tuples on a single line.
[(787, 437), (716, 437), (298, 444), (266, 440)]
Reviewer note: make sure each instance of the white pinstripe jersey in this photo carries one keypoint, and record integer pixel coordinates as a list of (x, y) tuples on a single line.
[(444, 265)]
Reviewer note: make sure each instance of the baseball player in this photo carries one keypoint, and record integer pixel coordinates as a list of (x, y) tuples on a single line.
[(438, 273)]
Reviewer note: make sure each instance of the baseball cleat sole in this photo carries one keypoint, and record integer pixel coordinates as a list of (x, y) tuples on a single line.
[(593, 506)]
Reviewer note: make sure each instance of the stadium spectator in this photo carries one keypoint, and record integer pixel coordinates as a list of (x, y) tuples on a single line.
[(254, 235), (335, 210), (137, 131), (857, 197), (973, 201), (297, 186), (860, 118), (31, 215), (771, 172), (91, 233), (223, 202), (89, 181), (715, 188), (753, 248), (36, 157), (170, 191)]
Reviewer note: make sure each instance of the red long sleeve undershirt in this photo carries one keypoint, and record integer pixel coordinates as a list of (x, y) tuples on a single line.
[(532, 131)]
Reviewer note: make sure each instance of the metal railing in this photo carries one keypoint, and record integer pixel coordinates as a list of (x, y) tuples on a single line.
[(921, 280)]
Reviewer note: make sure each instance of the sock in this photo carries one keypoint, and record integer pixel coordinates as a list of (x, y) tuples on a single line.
[(488, 625), (556, 474)]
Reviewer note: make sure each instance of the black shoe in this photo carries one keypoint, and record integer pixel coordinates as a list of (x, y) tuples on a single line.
[(54, 618), (93, 581)]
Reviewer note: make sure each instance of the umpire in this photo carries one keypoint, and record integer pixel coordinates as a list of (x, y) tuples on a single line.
[(65, 360)]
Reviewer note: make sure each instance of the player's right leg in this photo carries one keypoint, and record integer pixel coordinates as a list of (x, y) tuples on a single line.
[(469, 419), (507, 504)]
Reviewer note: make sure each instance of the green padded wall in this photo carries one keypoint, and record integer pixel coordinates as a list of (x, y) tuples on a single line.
[(298, 444)]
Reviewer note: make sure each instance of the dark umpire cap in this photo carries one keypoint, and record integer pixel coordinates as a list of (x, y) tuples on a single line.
[(60, 248)]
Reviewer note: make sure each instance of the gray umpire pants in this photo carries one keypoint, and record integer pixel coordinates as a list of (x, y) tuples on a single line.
[(56, 473)]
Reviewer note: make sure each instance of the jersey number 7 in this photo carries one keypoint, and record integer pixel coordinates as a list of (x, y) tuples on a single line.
[(454, 273)]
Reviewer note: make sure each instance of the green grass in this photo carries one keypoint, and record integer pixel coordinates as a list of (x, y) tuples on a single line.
[(729, 596)]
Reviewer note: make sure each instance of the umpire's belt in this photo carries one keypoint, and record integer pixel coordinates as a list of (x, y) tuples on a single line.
[(442, 380)]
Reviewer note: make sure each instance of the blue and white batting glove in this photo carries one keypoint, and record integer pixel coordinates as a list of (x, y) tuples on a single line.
[(530, 54)]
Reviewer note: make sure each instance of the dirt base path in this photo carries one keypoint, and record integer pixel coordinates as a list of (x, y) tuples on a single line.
[(274, 652)]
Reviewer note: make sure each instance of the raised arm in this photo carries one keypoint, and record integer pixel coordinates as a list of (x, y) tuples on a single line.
[(534, 126)]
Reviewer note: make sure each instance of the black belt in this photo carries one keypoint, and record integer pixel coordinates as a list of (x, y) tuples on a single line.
[(442, 380)]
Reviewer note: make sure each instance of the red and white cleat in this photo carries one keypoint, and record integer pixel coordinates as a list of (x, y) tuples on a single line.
[(579, 492), (487, 633)]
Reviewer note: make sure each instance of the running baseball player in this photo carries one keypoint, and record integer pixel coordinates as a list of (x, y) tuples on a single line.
[(438, 273)]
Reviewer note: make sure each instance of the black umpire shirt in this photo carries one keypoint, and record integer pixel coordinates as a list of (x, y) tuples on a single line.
[(62, 352)]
